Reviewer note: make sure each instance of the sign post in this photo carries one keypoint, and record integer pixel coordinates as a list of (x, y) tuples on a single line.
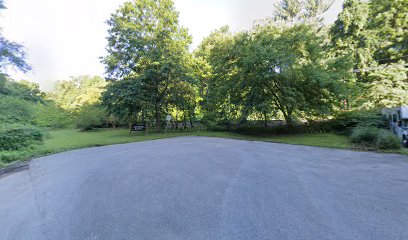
[(168, 119)]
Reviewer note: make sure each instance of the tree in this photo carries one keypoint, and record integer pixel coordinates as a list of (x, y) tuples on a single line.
[(316, 8), (216, 51), (389, 23), (78, 91), (388, 78), (291, 67), (125, 99), (374, 35), (183, 98), (288, 10), (12, 54), (296, 11), (145, 40), (273, 67), (348, 33)]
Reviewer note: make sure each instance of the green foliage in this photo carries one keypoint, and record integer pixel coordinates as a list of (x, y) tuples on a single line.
[(387, 140), (15, 137), (389, 26), (51, 116), (89, 117), (346, 121), (15, 110), (78, 91), (272, 68), (364, 135), (295, 11), (23, 90), (373, 34), (12, 54), (388, 86), (147, 43), (375, 138), (124, 99)]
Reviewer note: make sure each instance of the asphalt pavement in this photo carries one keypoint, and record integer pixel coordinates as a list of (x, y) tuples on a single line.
[(207, 188)]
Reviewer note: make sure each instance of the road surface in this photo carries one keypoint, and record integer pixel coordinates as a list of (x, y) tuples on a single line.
[(207, 188)]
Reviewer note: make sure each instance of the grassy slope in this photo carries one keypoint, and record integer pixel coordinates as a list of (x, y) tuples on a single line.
[(62, 140)]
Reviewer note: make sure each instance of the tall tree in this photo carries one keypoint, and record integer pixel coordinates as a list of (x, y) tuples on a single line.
[(296, 11), (291, 68), (146, 40), (289, 10), (273, 68), (374, 35), (217, 51), (389, 23), (348, 33), (314, 9)]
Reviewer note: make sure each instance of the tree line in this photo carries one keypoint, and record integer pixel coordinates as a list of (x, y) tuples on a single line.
[(290, 66)]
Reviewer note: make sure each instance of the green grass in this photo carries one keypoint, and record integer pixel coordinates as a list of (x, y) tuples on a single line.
[(319, 140), (68, 139)]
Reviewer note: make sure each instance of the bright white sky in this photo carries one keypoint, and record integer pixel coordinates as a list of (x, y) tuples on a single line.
[(65, 38)]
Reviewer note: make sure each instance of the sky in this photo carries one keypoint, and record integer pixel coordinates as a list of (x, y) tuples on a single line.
[(65, 38)]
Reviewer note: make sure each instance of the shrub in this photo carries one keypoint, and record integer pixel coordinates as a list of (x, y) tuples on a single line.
[(18, 137), (365, 135), (14, 110), (387, 140), (90, 117), (345, 122), (376, 138)]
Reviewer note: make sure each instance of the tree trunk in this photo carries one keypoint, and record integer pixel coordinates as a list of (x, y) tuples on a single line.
[(158, 117), (265, 120), (288, 119)]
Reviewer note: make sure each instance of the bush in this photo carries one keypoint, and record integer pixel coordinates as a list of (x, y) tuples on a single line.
[(90, 117), (375, 138), (14, 110), (345, 122), (7, 157), (19, 137), (365, 135), (387, 140)]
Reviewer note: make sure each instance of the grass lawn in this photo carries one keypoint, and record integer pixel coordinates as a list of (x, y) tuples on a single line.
[(61, 140), (319, 140), (68, 139)]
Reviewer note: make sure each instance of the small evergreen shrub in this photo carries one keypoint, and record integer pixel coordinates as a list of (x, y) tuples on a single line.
[(365, 135), (375, 138), (387, 140)]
